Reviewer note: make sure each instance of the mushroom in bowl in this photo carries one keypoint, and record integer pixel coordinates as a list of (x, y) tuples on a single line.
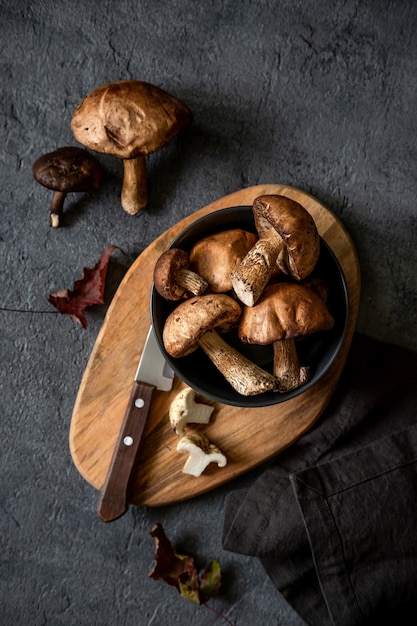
[(316, 351)]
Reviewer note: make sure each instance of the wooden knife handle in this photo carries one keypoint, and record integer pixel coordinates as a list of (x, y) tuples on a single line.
[(113, 501)]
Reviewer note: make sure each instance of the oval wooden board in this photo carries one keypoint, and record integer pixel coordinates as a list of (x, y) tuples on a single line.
[(248, 437)]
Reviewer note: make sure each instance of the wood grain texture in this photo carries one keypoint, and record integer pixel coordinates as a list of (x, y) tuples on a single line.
[(248, 437)]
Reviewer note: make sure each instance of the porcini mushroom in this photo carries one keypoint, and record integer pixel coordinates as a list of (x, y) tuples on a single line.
[(319, 286), (216, 256), (129, 119), (65, 170), (197, 322), (283, 312), (288, 238), (185, 410), (172, 277), (201, 453)]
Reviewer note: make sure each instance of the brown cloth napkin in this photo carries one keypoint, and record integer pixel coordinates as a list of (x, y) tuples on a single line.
[(334, 518)]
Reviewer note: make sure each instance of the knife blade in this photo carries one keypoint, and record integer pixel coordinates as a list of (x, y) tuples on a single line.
[(152, 373)]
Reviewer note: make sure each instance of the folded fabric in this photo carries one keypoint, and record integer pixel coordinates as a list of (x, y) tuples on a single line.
[(333, 519)]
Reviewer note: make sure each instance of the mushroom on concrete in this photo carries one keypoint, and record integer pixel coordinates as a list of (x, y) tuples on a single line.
[(65, 170), (173, 278), (185, 410), (129, 119), (201, 453), (283, 312), (197, 322), (216, 256), (288, 238)]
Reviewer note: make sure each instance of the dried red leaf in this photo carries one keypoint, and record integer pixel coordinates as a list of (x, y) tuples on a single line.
[(169, 565), (86, 291), (179, 570)]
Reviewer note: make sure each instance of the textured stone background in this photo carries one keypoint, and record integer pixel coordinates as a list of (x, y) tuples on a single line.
[(318, 95)]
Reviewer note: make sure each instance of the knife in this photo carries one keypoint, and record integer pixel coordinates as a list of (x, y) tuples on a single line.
[(153, 373)]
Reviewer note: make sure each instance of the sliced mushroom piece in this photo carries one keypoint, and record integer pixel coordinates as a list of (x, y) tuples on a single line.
[(216, 256), (288, 238), (201, 453), (65, 170), (283, 312), (185, 410), (197, 322), (173, 278), (130, 119)]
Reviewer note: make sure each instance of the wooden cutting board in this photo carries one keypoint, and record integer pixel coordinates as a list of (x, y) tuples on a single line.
[(247, 436)]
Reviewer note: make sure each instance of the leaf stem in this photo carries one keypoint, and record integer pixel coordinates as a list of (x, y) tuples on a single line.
[(218, 613), (26, 311)]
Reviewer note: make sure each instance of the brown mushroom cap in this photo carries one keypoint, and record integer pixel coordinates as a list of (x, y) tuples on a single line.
[(172, 277), (128, 118), (295, 226), (68, 169), (284, 311), (216, 256), (191, 319), (165, 272)]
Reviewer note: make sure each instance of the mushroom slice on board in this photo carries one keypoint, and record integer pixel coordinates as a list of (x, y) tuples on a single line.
[(283, 312), (65, 170), (129, 119), (288, 239), (201, 453), (197, 322), (173, 278), (216, 256), (185, 410)]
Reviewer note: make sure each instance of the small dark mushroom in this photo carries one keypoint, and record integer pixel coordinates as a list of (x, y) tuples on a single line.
[(65, 170)]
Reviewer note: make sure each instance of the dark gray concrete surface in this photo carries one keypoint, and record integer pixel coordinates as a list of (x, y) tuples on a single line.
[(319, 95)]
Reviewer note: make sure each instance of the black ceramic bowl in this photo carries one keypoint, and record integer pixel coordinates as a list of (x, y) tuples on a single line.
[(318, 351)]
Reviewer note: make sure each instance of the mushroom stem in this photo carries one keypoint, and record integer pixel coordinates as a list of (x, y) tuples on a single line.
[(284, 223), (135, 190), (191, 281), (243, 375), (254, 271), (57, 208), (287, 368)]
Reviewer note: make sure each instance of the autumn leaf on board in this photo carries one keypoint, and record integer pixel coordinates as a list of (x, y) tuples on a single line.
[(86, 291), (179, 570)]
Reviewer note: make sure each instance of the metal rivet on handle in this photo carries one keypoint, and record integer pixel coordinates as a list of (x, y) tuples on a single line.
[(139, 403), (128, 441)]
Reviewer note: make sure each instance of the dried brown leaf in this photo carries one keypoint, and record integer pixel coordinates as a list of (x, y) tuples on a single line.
[(86, 292), (179, 570)]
